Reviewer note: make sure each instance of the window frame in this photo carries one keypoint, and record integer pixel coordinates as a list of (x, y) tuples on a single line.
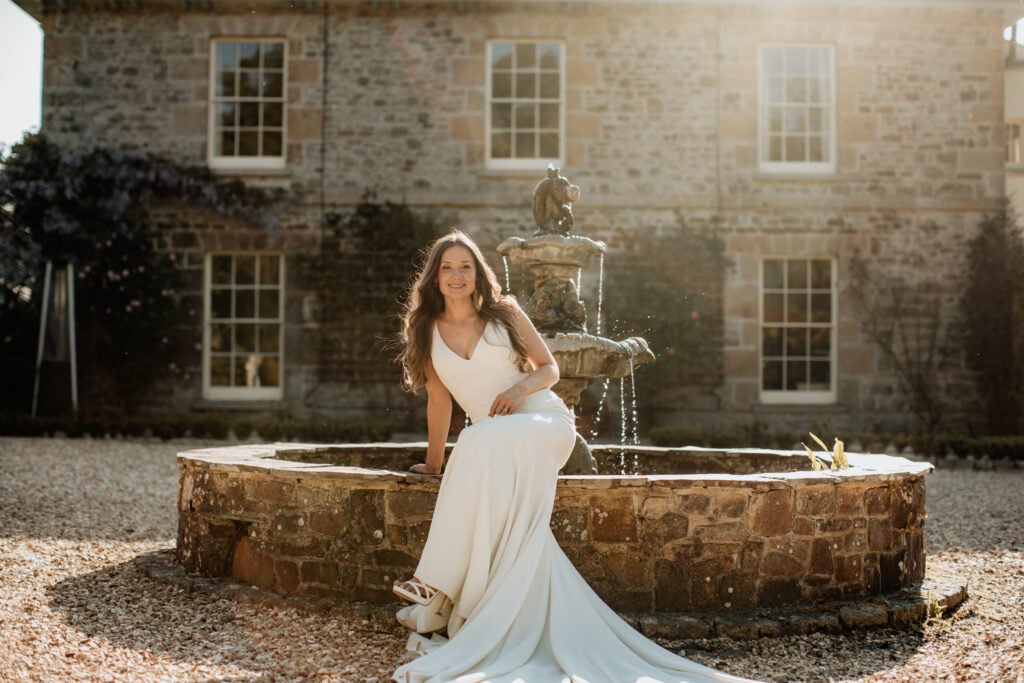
[(797, 397), (247, 163), (1017, 164), (537, 163), (796, 167), (219, 393)]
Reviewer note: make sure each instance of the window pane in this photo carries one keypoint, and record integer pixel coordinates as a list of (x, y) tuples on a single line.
[(526, 55), (525, 145), (226, 56), (220, 337), (796, 341), (526, 85), (249, 114), (771, 375), (815, 149), (549, 145), (550, 55), (773, 308), (795, 120), (245, 270), (549, 116), (246, 370), (221, 269), (249, 55), (220, 371), (796, 274), (773, 90), (248, 143), (226, 83), (245, 303), (796, 375), (796, 311), (270, 371), (821, 274), (270, 270), (796, 60), (248, 84), (227, 115), (796, 90), (220, 304), (773, 274), (775, 120), (226, 144), (273, 84), (821, 341), (821, 308), (501, 56), (501, 144), (269, 300), (771, 341), (816, 90), (526, 116), (817, 61), (501, 85), (270, 336), (501, 115), (796, 149), (272, 114), (815, 119), (273, 55), (245, 338), (550, 85), (775, 148), (821, 375), (772, 59), (272, 144)]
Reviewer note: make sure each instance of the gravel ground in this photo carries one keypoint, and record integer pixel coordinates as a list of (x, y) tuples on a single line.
[(74, 607)]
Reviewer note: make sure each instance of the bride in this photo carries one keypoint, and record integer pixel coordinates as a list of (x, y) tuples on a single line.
[(491, 573)]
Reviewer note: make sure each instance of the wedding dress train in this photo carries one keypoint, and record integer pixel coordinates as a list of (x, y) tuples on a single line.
[(515, 608)]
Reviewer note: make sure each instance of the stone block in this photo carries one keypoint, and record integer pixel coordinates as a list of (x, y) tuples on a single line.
[(406, 506), (694, 503), (252, 566), (738, 591), (304, 123), (287, 575), (288, 523), (613, 520), (876, 500), (366, 513), (775, 592), (273, 491), (879, 534), (467, 128), (772, 512), (723, 531), (394, 558), (821, 556), (801, 623), (657, 533), (863, 615), (581, 73), (730, 506), (329, 521), (779, 564), (304, 71), (467, 71), (188, 121), (704, 593), (671, 587), (891, 570), (850, 500), (848, 569), (816, 500), (325, 573), (728, 626)]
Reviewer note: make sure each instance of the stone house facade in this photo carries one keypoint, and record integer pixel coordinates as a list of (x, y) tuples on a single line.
[(809, 139)]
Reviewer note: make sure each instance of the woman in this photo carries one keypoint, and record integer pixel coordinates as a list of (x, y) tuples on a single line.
[(491, 571)]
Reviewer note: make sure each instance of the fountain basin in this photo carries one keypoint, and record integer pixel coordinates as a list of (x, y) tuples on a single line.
[(703, 530)]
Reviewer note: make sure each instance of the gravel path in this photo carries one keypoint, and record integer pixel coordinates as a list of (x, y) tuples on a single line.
[(74, 607)]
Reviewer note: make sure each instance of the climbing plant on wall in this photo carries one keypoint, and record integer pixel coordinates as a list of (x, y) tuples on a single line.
[(90, 207)]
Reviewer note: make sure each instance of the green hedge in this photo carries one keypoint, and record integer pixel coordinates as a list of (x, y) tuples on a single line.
[(209, 426)]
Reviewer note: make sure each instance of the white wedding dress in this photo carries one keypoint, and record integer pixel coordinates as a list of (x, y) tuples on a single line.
[(515, 608)]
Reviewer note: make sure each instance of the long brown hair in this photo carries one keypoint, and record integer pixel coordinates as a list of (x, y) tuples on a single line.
[(425, 303)]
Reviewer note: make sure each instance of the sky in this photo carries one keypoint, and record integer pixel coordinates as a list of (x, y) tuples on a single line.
[(21, 73)]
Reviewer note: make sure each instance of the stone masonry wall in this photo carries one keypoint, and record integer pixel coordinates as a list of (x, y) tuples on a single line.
[(661, 111)]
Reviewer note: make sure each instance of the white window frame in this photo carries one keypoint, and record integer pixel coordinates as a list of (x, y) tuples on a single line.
[(219, 393), (1018, 162), (246, 163), (795, 167), (538, 163), (798, 397)]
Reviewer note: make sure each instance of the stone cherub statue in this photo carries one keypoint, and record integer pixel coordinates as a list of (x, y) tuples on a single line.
[(552, 203)]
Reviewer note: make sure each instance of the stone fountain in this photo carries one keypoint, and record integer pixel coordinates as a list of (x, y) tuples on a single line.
[(555, 258)]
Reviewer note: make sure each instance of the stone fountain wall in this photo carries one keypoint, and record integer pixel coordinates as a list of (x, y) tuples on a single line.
[(660, 543)]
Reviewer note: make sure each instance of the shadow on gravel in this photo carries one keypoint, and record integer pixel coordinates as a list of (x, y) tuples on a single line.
[(121, 605)]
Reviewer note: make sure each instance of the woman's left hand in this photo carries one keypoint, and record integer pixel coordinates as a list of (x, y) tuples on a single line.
[(507, 401)]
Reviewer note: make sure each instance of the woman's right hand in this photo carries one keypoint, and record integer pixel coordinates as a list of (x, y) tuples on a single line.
[(423, 468)]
